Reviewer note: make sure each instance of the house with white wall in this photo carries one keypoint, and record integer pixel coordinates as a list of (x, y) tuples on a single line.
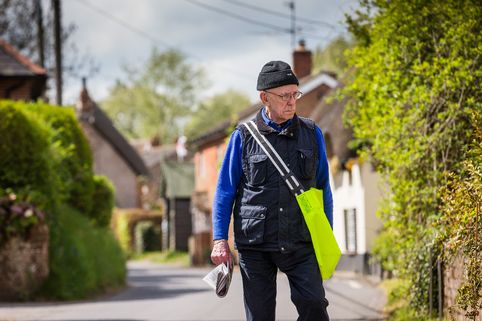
[(355, 188)]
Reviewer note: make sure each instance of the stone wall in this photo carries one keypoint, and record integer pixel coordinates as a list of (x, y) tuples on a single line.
[(24, 264), (453, 277)]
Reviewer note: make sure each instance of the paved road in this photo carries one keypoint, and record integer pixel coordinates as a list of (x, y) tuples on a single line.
[(163, 293)]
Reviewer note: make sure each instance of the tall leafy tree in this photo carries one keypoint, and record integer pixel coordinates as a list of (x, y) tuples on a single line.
[(216, 109), (332, 57), (416, 112), (156, 98)]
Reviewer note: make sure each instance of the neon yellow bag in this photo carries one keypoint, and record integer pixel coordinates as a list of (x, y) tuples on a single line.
[(326, 248)]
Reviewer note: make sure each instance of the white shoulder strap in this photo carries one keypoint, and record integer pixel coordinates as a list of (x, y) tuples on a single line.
[(288, 176)]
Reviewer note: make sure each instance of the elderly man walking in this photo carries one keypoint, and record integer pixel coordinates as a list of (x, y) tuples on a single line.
[(269, 230)]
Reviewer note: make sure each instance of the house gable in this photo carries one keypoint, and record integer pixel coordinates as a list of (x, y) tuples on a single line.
[(114, 157)]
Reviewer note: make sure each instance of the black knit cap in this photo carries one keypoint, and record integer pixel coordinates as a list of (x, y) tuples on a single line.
[(276, 74)]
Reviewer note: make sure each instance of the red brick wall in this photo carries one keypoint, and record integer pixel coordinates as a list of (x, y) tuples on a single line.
[(207, 162)]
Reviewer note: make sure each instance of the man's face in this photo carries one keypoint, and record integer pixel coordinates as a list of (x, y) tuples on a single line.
[(278, 109)]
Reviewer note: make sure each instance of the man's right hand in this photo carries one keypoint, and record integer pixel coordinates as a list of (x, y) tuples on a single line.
[(221, 252)]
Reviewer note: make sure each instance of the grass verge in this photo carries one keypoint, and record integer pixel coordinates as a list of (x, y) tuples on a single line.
[(85, 260), (176, 258)]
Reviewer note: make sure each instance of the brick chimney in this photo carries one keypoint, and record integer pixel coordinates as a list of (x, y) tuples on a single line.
[(302, 62)]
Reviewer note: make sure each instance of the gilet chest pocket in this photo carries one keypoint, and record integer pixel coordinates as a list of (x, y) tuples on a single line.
[(307, 163), (257, 169), (249, 225)]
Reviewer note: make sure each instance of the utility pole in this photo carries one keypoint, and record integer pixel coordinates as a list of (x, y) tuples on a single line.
[(58, 50), (40, 32), (291, 5)]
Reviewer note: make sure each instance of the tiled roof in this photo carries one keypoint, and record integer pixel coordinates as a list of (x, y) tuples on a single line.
[(14, 64)]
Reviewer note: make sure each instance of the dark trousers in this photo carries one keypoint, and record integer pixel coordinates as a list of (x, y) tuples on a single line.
[(259, 269)]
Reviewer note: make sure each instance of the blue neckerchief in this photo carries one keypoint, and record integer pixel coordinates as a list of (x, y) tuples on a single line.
[(272, 124)]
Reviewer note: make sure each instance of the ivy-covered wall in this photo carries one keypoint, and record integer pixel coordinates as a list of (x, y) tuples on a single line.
[(415, 108)]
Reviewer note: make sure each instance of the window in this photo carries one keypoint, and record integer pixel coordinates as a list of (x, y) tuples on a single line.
[(350, 230)]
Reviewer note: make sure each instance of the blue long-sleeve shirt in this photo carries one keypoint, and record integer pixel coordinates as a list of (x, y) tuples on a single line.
[(231, 172)]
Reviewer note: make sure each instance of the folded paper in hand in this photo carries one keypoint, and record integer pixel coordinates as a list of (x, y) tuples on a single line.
[(219, 278)]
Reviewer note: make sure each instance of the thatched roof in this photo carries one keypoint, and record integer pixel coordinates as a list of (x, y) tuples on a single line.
[(329, 117)]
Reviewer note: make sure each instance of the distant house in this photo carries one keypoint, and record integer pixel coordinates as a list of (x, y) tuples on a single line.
[(152, 153), (355, 188), (178, 178), (172, 182), (113, 156), (210, 147), (20, 78)]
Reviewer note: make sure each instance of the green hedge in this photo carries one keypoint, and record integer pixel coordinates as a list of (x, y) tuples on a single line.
[(414, 102), (73, 151), (46, 162), (84, 259), (103, 201), (27, 161), (127, 225)]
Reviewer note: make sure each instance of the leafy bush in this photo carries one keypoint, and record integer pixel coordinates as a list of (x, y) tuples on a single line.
[(84, 259), (462, 209), (73, 151), (130, 227), (46, 160), (27, 162), (414, 89), (103, 201), (120, 225), (147, 237)]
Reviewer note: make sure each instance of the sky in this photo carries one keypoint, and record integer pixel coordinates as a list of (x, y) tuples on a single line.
[(230, 39)]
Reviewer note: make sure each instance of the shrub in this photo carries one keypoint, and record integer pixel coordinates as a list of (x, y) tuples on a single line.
[(73, 151), (125, 222), (120, 224), (45, 160), (27, 161), (103, 201), (414, 99), (147, 237), (84, 259)]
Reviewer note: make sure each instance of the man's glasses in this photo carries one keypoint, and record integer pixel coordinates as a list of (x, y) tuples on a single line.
[(285, 97)]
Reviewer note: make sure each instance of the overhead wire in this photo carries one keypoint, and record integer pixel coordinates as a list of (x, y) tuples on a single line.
[(279, 14), (268, 11), (149, 37), (157, 41), (239, 17)]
